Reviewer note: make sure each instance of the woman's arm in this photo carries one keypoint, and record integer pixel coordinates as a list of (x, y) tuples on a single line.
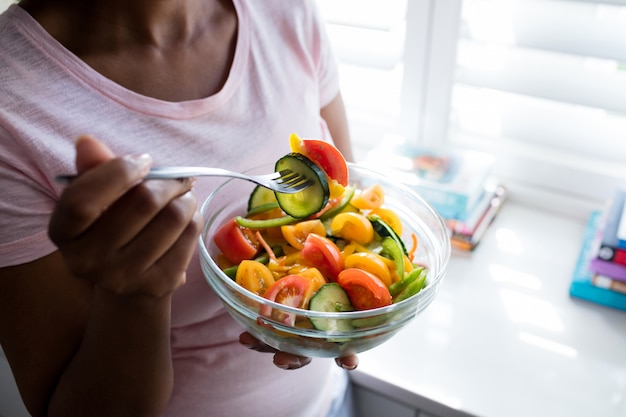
[(86, 329)]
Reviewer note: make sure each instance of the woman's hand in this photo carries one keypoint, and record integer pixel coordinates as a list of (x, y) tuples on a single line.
[(288, 361), (127, 236)]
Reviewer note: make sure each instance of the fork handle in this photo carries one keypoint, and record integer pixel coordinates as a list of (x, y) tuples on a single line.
[(184, 172), (172, 173)]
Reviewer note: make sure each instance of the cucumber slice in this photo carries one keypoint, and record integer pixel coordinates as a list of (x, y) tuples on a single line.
[(331, 298), (260, 196), (384, 230), (310, 200), (266, 223)]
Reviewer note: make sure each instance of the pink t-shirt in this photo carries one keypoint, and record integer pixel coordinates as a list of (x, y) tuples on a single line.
[(282, 74)]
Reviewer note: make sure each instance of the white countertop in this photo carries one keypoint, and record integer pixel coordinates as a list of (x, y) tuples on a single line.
[(503, 337)]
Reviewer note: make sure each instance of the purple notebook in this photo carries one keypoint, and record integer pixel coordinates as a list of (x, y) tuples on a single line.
[(608, 268)]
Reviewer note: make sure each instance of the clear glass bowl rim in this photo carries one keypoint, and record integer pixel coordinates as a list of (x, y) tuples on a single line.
[(405, 304)]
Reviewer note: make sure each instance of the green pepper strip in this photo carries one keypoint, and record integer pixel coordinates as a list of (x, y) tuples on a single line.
[(413, 288), (397, 287), (265, 224), (391, 248)]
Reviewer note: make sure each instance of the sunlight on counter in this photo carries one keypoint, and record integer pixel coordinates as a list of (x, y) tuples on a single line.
[(528, 309), (548, 344)]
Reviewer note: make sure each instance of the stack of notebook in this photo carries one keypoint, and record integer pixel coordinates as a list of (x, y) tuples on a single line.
[(457, 183), (600, 274)]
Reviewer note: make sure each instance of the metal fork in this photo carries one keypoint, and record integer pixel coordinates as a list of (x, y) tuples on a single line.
[(285, 181)]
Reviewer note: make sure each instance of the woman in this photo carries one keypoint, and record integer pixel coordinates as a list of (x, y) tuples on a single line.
[(103, 308)]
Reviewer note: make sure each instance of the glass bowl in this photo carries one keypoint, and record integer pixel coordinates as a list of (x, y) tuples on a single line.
[(361, 330)]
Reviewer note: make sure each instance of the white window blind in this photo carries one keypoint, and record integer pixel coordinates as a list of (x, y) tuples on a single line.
[(541, 84), (368, 37)]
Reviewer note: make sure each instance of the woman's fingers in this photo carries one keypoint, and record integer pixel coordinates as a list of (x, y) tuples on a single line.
[(253, 343), (131, 215), (88, 196), (124, 234), (287, 360), (91, 152), (282, 360), (167, 242), (348, 362)]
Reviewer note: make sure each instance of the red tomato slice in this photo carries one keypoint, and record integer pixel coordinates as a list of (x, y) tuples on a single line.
[(290, 291), (327, 157), (364, 290), (236, 243), (323, 254)]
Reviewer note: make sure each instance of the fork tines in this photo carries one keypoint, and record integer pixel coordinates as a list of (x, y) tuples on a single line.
[(293, 180)]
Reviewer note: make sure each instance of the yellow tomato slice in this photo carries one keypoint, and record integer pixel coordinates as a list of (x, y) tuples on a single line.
[(295, 234), (390, 217), (353, 227), (254, 276), (370, 262), (317, 280), (336, 189), (296, 144), (370, 198)]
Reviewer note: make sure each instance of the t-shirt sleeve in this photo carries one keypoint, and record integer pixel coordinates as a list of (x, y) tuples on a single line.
[(25, 207)]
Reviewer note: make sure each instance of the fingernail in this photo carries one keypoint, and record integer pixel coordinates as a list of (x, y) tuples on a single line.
[(190, 182), (248, 345), (142, 161), (294, 364), (345, 365)]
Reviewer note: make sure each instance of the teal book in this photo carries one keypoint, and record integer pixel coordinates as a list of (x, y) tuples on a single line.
[(582, 286), (451, 181)]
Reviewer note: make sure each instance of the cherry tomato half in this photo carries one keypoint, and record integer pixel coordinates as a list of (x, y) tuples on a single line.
[(352, 226), (235, 242), (316, 281), (370, 198), (372, 263), (295, 234), (323, 254), (254, 276), (290, 291), (365, 290)]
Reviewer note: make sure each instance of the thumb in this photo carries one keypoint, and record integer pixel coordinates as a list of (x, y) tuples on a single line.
[(91, 152)]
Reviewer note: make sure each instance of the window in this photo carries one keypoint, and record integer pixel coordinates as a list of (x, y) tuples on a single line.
[(538, 83), (368, 37)]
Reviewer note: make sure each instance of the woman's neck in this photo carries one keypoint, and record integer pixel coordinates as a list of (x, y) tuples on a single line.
[(174, 50), (159, 23)]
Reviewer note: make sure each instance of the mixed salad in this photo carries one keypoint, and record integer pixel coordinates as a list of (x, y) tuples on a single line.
[(330, 247)]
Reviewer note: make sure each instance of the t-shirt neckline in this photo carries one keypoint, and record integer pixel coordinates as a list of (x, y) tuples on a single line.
[(133, 100)]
